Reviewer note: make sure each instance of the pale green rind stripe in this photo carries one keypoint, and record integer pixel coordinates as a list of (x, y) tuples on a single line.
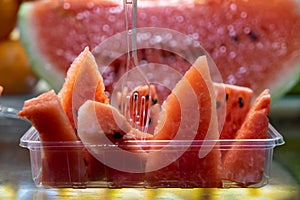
[(39, 62)]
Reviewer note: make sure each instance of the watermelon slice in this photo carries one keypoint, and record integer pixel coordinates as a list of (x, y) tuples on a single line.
[(254, 43), (179, 121), (238, 103), (100, 126), (83, 82), (60, 165), (250, 171)]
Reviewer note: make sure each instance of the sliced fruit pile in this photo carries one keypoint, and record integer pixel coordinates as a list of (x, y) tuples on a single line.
[(81, 112)]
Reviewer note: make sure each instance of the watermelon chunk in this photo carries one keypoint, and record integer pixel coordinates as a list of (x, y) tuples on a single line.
[(175, 169), (60, 165), (83, 82), (237, 105), (244, 164), (254, 43), (101, 125)]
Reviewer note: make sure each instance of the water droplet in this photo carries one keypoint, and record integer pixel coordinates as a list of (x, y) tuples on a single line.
[(66, 6), (158, 39), (195, 36), (244, 15), (90, 4), (275, 45), (231, 79), (233, 7), (143, 36), (115, 10), (232, 33), (83, 15), (153, 19), (173, 43), (79, 16), (230, 27), (242, 70), (106, 27), (142, 15), (220, 30), (232, 54), (179, 19), (247, 30), (97, 10), (223, 49), (111, 18)]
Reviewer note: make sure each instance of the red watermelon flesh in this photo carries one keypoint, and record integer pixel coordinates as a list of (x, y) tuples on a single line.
[(61, 165), (254, 43), (180, 172), (101, 125), (83, 82), (238, 102), (243, 163), (100, 119)]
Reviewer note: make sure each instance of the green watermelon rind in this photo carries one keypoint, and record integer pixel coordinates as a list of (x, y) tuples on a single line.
[(40, 65), (287, 82)]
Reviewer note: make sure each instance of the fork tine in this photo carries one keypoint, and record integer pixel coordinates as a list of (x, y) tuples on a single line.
[(140, 106), (135, 109)]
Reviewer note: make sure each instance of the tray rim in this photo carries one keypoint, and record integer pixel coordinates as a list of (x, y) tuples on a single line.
[(31, 140)]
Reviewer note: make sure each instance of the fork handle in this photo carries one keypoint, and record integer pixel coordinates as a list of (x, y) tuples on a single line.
[(130, 7)]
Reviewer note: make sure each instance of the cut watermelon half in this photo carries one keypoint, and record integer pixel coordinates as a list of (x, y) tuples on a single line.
[(254, 43)]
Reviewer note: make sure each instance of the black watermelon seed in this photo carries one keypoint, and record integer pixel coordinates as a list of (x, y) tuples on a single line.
[(154, 101), (241, 102), (252, 36), (117, 135), (218, 104)]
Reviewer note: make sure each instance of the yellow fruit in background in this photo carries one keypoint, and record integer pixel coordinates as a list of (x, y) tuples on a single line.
[(16, 75), (8, 17)]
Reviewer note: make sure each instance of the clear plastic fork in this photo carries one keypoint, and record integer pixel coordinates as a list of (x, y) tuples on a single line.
[(134, 105)]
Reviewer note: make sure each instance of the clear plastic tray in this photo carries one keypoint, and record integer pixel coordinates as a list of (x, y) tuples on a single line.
[(70, 164)]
